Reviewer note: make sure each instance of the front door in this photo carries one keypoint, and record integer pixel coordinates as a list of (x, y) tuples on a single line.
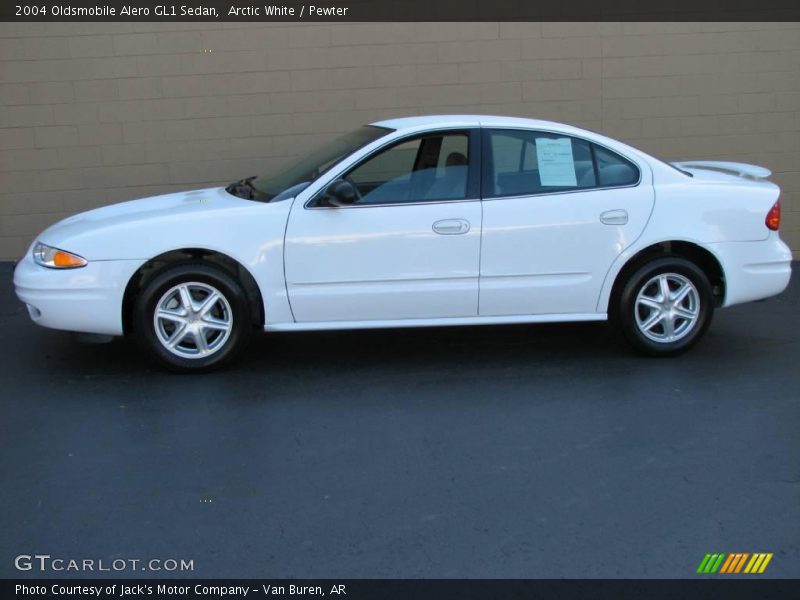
[(407, 248)]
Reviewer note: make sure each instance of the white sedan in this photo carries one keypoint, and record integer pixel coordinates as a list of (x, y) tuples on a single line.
[(420, 221)]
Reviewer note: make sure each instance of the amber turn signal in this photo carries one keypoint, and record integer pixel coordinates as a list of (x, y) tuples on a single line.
[(66, 260)]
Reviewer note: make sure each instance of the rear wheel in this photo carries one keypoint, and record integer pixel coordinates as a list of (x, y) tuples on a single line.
[(665, 307), (192, 318)]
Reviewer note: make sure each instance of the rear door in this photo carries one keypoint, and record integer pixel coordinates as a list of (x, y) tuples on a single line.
[(407, 249), (557, 211)]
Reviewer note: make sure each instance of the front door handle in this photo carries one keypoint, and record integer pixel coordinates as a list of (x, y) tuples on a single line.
[(451, 226), (614, 217)]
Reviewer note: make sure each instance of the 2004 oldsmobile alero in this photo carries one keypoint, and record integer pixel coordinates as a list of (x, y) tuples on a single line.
[(437, 220)]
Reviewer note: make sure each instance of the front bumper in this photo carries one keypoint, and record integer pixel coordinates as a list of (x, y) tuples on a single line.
[(754, 270), (88, 299)]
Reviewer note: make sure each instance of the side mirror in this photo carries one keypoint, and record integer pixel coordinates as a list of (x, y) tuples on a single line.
[(341, 193)]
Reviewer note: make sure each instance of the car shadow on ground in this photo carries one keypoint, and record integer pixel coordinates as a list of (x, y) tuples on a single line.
[(406, 351)]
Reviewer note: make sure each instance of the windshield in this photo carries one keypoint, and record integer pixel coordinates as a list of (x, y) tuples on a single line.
[(291, 178)]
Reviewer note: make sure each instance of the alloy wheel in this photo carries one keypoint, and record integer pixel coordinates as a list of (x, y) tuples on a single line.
[(667, 307), (193, 320)]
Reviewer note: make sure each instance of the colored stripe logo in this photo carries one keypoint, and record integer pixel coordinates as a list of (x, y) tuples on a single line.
[(736, 562)]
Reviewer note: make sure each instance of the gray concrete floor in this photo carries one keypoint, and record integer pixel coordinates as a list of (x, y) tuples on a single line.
[(520, 451)]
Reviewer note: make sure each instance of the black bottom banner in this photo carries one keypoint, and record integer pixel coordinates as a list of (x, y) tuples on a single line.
[(408, 589)]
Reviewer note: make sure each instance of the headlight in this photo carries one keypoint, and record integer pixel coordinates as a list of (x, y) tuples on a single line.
[(54, 258)]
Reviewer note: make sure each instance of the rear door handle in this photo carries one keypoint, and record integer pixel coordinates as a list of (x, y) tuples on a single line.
[(614, 217), (451, 226)]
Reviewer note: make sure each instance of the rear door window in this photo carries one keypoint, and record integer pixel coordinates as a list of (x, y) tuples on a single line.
[(521, 163)]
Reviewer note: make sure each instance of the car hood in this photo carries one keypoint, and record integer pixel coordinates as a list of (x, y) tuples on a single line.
[(90, 233)]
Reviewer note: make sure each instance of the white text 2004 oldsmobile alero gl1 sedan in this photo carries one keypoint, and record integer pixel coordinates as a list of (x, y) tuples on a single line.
[(441, 220)]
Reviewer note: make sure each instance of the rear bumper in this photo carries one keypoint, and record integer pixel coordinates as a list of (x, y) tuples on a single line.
[(754, 270), (88, 299)]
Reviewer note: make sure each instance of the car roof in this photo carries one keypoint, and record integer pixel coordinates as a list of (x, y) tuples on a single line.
[(414, 123)]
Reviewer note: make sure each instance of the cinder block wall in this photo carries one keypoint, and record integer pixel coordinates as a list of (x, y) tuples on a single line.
[(96, 113)]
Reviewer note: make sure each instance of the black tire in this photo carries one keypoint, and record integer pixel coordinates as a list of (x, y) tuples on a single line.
[(630, 316), (193, 354)]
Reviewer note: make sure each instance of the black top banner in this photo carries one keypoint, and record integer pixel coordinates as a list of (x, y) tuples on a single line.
[(404, 10)]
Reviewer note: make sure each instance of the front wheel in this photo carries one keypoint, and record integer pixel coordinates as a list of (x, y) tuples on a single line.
[(665, 307), (192, 318)]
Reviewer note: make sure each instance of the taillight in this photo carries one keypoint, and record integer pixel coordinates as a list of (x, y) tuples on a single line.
[(773, 220)]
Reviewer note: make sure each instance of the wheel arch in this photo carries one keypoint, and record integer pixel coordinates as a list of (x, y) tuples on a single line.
[(701, 256), (168, 259)]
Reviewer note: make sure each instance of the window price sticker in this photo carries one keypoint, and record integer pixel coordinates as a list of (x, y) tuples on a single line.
[(556, 164)]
